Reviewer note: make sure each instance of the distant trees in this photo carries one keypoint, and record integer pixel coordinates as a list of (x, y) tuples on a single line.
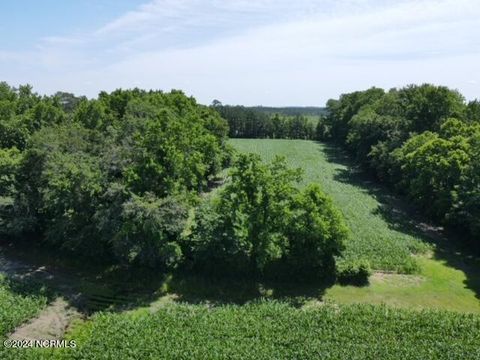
[(251, 123), (424, 140)]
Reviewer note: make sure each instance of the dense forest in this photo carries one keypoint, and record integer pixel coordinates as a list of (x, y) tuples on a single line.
[(422, 140), (120, 177), (108, 177)]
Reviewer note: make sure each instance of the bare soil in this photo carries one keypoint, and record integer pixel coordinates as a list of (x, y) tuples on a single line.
[(50, 324)]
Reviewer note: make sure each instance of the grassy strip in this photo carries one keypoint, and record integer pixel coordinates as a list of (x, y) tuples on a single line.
[(437, 286)]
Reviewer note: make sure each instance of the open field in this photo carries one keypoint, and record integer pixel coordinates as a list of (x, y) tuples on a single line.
[(384, 233), (437, 286), (266, 330), (373, 237), (179, 316)]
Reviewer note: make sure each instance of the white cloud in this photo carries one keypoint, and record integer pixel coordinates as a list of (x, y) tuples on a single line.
[(270, 52)]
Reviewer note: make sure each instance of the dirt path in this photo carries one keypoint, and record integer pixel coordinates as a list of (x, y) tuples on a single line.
[(54, 320), (75, 291), (50, 324)]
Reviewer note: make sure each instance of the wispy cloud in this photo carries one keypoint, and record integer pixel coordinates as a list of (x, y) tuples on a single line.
[(271, 52)]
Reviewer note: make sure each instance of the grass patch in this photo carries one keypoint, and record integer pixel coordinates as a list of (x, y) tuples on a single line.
[(436, 286)]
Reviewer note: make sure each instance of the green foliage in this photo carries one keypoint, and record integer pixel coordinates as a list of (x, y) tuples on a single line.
[(427, 105), (422, 140), (44, 113), (340, 112), (255, 123), (356, 272), (268, 329), (440, 173), (91, 114), (9, 162), (15, 109), (367, 128), (260, 219), (172, 153), (149, 230), (374, 236), (472, 112), (68, 101), (316, 231), (111, 177), (431, 168), (57, 185)]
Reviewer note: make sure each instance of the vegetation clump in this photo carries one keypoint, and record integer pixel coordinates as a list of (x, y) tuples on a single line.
[(261, 221), (117, 178), (112, 177), (353, 272)]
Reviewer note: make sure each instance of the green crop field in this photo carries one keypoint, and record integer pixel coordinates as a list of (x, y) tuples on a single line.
[(196, 319), (373, 237), (382, 232), (273, 330), (19, 302)]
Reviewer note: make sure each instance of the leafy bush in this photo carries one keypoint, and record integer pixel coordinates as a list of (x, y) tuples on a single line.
[(316, 231), (353, 272), (150, 231)]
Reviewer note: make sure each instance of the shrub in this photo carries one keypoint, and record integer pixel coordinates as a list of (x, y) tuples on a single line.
[(353, 272)]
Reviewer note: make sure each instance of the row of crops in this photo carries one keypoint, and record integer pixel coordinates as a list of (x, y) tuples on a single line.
[(274, 330)]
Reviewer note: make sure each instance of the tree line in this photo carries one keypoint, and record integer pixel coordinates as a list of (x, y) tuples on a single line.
[(422, 140), (245, 122), (124, 178), (311, 111)]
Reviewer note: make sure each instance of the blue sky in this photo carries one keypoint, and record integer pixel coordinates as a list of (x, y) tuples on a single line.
[(270, 52)]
